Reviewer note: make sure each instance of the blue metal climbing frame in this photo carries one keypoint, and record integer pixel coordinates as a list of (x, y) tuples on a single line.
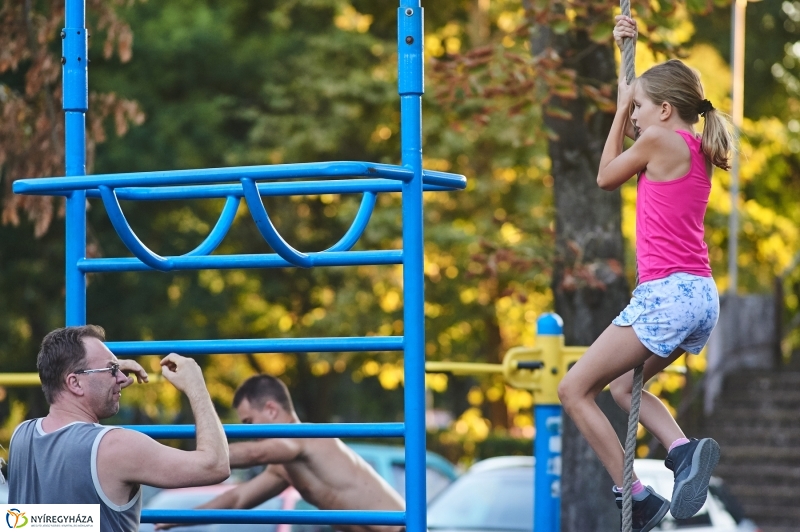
[(251, 183)]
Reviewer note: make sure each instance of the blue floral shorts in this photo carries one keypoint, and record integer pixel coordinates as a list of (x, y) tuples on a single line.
[(679, 311)]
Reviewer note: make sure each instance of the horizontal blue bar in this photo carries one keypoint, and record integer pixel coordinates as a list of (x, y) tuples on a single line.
[(290, 517), (64, 185), (232, 262), (261, 345), (338, 186), (287, 430), (444, 179)]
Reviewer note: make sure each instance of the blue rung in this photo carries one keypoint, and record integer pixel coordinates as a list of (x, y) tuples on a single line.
[(232, 262), (259, 345), (291, 517), (289, 430)]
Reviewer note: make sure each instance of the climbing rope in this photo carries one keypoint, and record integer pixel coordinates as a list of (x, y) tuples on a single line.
[(628, 63)]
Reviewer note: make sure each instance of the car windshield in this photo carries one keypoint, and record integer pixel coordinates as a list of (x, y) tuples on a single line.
[(500, 499)]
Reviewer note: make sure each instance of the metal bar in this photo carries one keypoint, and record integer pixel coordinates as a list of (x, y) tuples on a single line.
[(19, 379), (75, 102), (231, 262), (410, 88), (547, 471), (738, 10), (359, 224), (548, 418), (214, 175), (267, 229), (463, 368), (261, 345), (223, 225), (289, 430), (75, 282), (297, 188), (434, 181), (445, 179), (322, 517), (126, 234)]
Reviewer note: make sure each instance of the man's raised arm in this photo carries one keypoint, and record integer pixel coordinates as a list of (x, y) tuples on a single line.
[(130, 458)]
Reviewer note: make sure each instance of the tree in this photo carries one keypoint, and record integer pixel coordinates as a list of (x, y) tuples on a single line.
[(32, 145)]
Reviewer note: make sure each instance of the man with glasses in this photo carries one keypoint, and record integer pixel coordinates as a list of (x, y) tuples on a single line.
[(67, 457)]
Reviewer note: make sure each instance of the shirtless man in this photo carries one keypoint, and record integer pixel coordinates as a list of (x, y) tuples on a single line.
[(326, 472)]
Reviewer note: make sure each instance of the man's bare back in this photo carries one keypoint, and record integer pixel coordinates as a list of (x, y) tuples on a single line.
[(329, 475), (325, 472)]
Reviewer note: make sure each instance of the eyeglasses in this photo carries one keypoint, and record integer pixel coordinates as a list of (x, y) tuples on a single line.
[(113, 368)]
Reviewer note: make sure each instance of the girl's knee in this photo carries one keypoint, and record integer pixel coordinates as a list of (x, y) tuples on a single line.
[(621, 392), (568, 391)]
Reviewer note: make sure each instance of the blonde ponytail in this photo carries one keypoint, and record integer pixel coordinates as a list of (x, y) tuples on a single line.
[(717, 142)]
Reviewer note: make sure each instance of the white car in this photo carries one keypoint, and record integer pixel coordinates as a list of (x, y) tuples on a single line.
[(497, 494)]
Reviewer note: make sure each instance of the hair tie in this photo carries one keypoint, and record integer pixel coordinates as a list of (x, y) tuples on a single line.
[(704, 107)]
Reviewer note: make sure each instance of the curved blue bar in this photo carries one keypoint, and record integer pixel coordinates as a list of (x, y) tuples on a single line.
[(291, 517), (289, 430), (59, 185), (332, 344), (268, 230), (299, 188), (359, 224), (217, 234), (332, 258), (127, 235)]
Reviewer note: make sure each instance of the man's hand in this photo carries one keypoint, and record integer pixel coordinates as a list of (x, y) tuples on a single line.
[(183, 373), (127, 367), (167, 526)]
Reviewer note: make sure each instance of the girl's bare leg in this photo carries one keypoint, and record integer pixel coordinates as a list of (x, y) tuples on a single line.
[(653, 414), (616, 352)]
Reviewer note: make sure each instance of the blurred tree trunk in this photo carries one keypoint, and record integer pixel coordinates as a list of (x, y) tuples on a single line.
[(589, 285)]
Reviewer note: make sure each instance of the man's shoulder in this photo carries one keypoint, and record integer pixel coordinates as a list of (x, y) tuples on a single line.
[(26, 426)]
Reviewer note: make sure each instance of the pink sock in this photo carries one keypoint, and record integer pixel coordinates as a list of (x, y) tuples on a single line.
[(676, 443), (637, 488)]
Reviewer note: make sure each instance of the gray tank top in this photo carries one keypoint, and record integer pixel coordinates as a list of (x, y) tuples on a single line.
[(60, 467)]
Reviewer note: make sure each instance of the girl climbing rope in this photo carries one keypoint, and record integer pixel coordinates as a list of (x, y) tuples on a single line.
[(676, 305)]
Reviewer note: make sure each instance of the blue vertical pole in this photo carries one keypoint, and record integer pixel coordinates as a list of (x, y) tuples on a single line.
[(547, 475), (410, 88), (75, 77), (547, 443)]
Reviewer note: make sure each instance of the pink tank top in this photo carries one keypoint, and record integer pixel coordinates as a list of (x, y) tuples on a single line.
[(669, 221)]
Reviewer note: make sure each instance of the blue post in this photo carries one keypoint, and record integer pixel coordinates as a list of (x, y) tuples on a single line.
[(75, 74), (410, 88), (547, 443)]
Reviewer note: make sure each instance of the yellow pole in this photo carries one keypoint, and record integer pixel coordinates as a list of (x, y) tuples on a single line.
[(462, 368), (19, 379), (32, 379)]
